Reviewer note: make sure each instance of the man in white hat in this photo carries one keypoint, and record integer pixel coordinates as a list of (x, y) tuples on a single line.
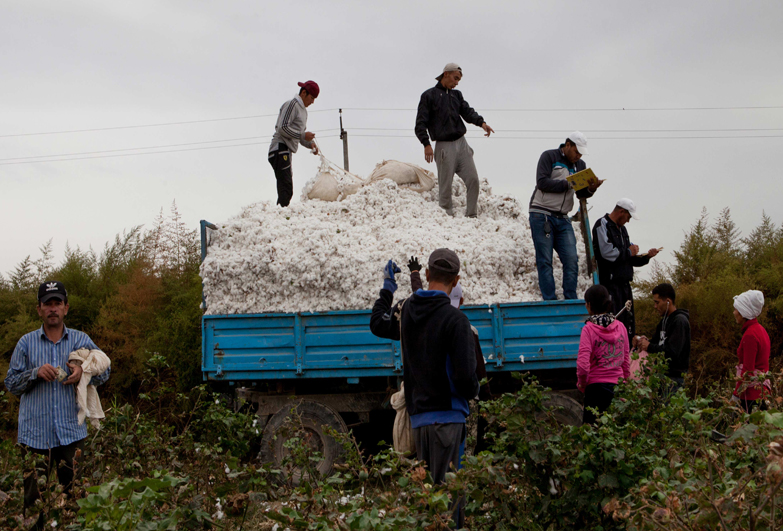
[(441, 113), (550, 204), (617, 256)]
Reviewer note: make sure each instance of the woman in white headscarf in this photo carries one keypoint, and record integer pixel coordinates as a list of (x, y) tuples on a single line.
[(753, 351)]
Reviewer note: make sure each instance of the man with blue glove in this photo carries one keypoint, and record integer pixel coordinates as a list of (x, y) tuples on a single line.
[(439, 362)]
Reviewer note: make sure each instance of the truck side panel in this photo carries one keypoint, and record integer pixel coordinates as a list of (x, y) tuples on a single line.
[(513, 337)]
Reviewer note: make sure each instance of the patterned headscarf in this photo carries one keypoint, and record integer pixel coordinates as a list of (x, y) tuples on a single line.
[(603, 319)]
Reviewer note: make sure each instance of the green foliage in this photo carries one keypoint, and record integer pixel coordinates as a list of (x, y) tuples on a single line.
[(714, 263), (140, 297), (129, 504)]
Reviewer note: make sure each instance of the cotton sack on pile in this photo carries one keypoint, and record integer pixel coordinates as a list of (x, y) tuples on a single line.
[(93, 362)]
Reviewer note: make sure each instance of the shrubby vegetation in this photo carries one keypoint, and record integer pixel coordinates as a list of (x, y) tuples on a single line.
[(713, 264), (172, 454), (648, 463)]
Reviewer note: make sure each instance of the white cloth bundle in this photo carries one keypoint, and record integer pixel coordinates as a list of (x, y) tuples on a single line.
[(94, 362), (749, 304), (403, 433)]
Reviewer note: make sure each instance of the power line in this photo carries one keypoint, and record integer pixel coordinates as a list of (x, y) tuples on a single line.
[(591, 130), (153, 147), (146, 153), (255, 116), (163, 124), (591, 139), (607, 109)]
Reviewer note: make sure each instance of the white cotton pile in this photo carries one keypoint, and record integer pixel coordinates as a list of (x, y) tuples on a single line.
[(320, 255)]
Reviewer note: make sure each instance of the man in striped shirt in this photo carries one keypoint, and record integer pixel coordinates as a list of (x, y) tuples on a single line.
[(45, 381), (290, 131)]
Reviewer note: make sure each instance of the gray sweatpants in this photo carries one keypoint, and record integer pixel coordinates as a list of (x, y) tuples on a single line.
[(456, 157), (441, 446)]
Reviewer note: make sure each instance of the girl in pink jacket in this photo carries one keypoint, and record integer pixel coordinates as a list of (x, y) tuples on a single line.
[(604, 355)]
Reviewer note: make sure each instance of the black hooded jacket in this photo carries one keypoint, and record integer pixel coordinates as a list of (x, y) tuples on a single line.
[(673, 338), (439, 363)]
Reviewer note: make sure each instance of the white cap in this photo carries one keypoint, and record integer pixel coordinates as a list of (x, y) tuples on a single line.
[(450, 67), (456, 295), (628, 205), (749, 304), (581, 142)]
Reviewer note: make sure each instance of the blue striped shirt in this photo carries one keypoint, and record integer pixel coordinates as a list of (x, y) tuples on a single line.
[(47, 410)]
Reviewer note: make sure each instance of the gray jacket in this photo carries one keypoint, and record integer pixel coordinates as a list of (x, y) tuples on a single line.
[(291, 126), (553, 193)]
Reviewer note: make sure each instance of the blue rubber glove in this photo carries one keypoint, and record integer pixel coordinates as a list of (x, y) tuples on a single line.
[(389, 271)]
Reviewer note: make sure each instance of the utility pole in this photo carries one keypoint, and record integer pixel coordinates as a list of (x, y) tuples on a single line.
[(344, 138), (584, 223)]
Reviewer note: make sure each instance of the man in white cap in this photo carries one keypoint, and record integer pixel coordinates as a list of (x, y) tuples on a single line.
[(617, 256), (550, 204), (441, 111)]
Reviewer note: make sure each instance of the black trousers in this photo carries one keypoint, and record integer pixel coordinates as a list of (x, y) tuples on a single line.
[(599, 396), (750, 405), (284, 173), (621, 292), (65, 458), (439, 445)]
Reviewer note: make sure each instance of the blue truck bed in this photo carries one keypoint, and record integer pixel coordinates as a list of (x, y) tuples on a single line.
[(274, 346), (301, 346)]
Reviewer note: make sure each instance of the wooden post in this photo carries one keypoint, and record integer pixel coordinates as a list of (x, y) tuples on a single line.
[(344, 138)]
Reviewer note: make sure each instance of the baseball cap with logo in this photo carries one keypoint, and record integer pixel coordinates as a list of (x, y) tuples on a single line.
[(450, 67), (444, 260), (311, 87), (628, 205), (581, 142), (52, 289)]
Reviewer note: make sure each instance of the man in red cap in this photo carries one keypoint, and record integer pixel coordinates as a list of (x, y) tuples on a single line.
[(290, 131)]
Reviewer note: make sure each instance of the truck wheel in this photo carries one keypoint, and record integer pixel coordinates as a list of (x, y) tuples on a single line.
[(571, 412), (314, 417)]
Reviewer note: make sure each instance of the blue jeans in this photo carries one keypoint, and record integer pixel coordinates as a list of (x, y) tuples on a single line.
[(559, 237)]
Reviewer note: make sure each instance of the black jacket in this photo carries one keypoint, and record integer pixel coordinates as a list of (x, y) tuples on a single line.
[(611, 246), (441, 112), (673, 338), (437, 340)]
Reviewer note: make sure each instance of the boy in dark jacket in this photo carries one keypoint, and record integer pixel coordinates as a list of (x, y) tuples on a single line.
[(438, 359), (672, 335)]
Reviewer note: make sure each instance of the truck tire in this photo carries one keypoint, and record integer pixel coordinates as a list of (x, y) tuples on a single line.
[(571, 412), (314, 416)]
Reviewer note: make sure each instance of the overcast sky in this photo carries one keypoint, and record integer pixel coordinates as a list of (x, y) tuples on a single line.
[(75, 65)]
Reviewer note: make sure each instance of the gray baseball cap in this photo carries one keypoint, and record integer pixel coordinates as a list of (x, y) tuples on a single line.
[(444, 260), (450, 67)]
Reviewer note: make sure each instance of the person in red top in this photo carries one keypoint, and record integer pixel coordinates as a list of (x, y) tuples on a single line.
[(753, 351)]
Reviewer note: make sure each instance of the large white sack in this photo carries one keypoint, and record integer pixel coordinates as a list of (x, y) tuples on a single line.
[(318, 255), (404, 174), (331, 183)]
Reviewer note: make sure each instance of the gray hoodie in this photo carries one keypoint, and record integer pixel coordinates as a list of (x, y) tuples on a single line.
[(291, 126)]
